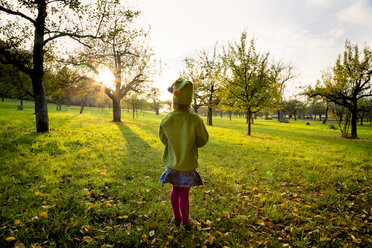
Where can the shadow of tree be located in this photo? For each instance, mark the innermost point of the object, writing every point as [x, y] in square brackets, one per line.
[136, 158]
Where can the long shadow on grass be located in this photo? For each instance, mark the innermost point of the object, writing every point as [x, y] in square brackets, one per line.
[140, 154]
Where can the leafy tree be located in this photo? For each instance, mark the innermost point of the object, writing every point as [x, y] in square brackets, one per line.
[282, 74]
[194, 74]
[124, 51]
[348, 82]
[250, 82]
[294, 106]
[212, 67]
[15, 83]
[50, 21]
[364, 108]
[155, 103]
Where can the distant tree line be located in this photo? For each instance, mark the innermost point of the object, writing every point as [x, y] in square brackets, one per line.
[236, 78]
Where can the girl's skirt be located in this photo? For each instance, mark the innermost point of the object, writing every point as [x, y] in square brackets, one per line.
[181, 178]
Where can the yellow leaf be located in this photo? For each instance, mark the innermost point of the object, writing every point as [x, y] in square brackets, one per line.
[100, 237]
[144, 237]
[325, 238]
[170, 237]
[87, 239]
[19, 245]
[259, 242]
[44, 214]
[219, 233]
[210, 240]
[9, 239]
[261, 222]
[18, 223]
[108, 227]
[218, 219]
[123, 217]
[108, 204]
[85, 226]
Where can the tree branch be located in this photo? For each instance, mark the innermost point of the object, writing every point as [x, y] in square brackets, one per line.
[74, 36]
[16, 13]
[9, 59]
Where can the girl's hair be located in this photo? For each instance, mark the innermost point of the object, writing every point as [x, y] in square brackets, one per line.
[178, 106]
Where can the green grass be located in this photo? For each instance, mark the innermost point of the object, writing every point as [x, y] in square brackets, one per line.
[288, 184]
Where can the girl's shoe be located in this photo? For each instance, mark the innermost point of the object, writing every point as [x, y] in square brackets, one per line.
[189, 226]
[175, 222]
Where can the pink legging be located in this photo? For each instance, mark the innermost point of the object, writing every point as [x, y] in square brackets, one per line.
[181, 203]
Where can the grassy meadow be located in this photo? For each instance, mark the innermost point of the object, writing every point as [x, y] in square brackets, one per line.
[90, 182]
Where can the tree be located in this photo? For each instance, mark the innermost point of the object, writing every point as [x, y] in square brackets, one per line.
[364, 108]
[124, 51]
[51, 20]
[250, 82]
[155, 104]
[348, 82]
[193, 73]
[211, 66]
[293, 106]
[204, 72]
[15, 83]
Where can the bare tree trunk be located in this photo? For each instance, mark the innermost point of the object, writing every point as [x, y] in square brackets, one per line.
[326, 115]
[41, 103]
[209, 117]
[2, 98]
[195, 106]
[230, 115]
[116, 110]
[21, 101]
[249, 121]
[83, 102]
[354, 116]
[133, 109]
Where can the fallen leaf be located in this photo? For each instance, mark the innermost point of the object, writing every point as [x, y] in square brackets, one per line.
[151, 233]
[261, 222]
[19, 245]
[210, 240]
[325, 238]
[87, 239]
[18, 223]
[44, 214]
[10, 239]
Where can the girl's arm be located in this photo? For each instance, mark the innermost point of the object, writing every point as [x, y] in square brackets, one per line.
[202, 135]
[163, 138]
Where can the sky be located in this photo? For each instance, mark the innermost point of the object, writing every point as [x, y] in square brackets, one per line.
[308, 34]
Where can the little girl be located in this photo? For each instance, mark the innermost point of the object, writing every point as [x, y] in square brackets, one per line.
[182, 133]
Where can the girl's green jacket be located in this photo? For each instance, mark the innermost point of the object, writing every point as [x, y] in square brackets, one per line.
[182, 133]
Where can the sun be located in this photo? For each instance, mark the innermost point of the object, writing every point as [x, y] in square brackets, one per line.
[106, 77]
